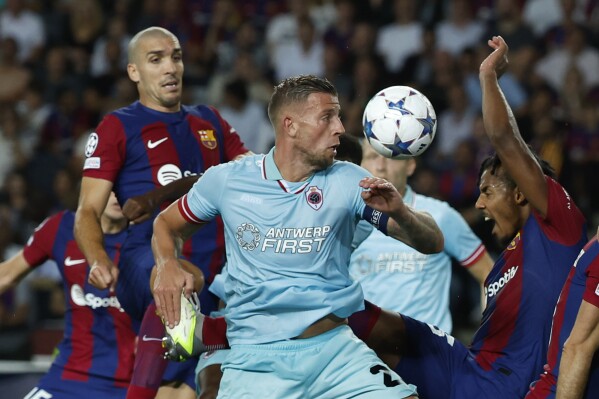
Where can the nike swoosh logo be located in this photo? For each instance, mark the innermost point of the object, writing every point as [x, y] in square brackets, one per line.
[72, 262]
[146, 338]
[154, 144]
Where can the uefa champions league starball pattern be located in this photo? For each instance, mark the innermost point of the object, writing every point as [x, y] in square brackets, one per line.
[399, 122]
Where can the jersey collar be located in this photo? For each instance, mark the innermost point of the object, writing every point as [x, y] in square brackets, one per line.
[269, 168]
[271, 172]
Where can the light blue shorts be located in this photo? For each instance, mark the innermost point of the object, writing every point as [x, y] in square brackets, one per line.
[332, 365]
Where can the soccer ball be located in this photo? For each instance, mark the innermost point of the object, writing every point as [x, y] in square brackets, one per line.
[399, 122]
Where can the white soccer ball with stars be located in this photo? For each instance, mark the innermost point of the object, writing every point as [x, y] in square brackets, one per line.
[399, 122]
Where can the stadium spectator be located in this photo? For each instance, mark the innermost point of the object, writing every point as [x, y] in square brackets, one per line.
[26, 28]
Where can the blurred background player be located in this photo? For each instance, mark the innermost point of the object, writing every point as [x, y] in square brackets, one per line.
[396, 277]
[136, 150]
[95, 357]
[572, 369]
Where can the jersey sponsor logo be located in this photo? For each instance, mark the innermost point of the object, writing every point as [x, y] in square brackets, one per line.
[314, 197]
[207, 138]
[72, 262]
[248, 236]
[169, 173]
[493, 289]
[295, 240]
[92, 163]
[80, 298]
[389, 262]
[597, 290]
[92, 144]
[154, 144]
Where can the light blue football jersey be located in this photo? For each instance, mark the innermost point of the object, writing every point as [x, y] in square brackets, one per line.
[288, 244]
[395, 276]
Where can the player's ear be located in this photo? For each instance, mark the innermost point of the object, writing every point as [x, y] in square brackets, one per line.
[289, 126]
[133, 73]
[519, 197]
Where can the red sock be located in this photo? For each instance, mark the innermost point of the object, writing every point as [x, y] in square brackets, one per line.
[363, 321]
[214, 333]
[149, 360]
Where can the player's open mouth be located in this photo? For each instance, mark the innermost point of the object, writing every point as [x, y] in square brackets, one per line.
[170, 85]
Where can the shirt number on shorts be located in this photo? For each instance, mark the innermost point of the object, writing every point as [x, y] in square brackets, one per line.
[38, 393]
[441, 333]
[388, 379]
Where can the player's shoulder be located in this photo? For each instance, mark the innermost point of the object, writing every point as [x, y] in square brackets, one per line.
[246, 164]
[54, 221]
[429, 204]
[201, 110]
[64, 216]
[345, 168]
[442, 212]
[119, 117]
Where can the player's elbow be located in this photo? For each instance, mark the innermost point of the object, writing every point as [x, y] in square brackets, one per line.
[434, 244]
[440, 244]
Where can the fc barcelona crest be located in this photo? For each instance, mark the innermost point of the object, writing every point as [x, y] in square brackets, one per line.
[207, 138]
[314, 197]
[514, 242]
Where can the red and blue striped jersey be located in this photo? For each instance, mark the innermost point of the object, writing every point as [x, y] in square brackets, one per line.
[140, 149]
[98, 337]
[582, 284]
[523, 287]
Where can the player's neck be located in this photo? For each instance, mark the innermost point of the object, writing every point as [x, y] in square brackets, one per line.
[292, 168]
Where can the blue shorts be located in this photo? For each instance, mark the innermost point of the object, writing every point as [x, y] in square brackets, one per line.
[51, 385]
[443, 368]
[133, 288]
[333, 365]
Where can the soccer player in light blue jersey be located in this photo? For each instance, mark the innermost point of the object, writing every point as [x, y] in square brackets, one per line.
[289, 219]
[395, 276]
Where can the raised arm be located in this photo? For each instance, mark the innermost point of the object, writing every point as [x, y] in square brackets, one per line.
[417, 229]
[140, 208]
[170, 231]
[502, 130]
[88, 231]
[12, 271]
[578, 353]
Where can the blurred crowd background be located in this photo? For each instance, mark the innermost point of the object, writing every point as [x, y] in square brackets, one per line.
[63, 66]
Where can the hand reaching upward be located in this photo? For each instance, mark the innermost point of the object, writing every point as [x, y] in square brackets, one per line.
[497, 61]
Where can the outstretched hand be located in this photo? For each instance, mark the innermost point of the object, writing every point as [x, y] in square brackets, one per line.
[497, 61]
[382, 195]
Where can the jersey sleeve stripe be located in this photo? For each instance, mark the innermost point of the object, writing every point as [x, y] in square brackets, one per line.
[186, 211]
[475, 257]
